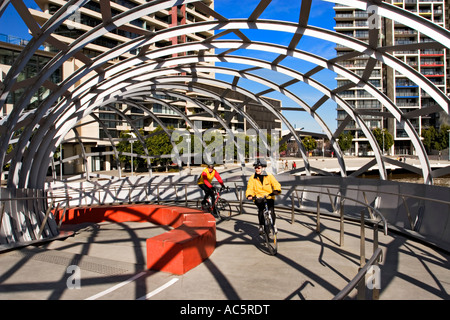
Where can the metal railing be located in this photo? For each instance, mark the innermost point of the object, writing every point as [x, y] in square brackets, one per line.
[148, 189]
[182, 193]
[30, 214]
[358, 280]
[375, 259]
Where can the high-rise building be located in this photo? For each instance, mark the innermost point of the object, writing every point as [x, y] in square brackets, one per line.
[432, 63]
[90, 16]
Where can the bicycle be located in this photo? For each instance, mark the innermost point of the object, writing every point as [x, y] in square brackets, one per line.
[221, 208]
[269, 233]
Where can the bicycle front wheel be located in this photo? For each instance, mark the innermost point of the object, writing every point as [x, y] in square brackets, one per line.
[223, 209]
[270, 237]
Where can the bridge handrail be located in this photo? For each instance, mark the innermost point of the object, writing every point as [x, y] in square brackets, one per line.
[47, 213]
[328, 186]
[150, 185]
[379, 214]
[359, 276]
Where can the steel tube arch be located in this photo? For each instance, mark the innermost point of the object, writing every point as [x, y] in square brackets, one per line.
[38, 141]
[124, 76]
[330, 34]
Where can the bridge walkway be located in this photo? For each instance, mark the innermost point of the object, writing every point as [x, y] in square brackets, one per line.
[308, 266]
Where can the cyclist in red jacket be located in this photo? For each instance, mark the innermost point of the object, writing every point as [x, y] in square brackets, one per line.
[204, 182]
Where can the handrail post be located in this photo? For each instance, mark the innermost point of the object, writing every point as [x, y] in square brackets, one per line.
[333, 207]
[157, 194]
[375, 291]
[375, 236]
[176, 193]
[362, 242]
[292, 209]
[63, 214]
[1, 213]
[318, 215]
[362, 258]
[341, 224]
[44, 221]
[408, 213]
[241, 200]
[367, 205]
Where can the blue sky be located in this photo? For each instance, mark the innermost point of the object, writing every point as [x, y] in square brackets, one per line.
[322, 14]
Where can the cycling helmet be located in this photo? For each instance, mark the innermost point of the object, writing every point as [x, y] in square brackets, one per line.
[259, 163]
[210, 166]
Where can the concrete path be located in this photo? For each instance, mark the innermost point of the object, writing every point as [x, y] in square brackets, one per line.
[111, 260]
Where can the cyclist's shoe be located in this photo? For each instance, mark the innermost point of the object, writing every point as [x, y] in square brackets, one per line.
[261, 230]
[204, 202]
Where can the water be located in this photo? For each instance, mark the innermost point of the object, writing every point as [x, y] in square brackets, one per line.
[409, 177]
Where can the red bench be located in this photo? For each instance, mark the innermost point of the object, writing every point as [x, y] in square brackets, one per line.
[192, 240]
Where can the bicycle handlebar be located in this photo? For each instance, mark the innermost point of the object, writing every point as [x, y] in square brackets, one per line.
[265, 197]
[224, 188]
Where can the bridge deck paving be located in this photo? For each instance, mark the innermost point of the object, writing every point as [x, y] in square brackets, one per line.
[309, 265]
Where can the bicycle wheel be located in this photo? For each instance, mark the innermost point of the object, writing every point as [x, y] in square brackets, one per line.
[270, 236]
[223, 209]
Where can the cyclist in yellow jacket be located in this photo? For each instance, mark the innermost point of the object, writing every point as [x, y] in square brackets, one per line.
[204, 182]
[261, 185]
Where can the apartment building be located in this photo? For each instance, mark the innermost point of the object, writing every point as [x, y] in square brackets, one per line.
[403, 92]
[94, 138]
[10, 48]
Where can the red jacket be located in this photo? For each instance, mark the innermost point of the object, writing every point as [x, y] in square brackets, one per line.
[206, 177]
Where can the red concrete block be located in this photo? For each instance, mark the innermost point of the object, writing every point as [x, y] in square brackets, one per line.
[181, 249]
[192, 240]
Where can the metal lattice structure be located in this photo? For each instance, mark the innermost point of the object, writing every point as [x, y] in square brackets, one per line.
[36, 134]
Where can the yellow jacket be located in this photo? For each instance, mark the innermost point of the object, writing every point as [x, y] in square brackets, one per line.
[258, 189]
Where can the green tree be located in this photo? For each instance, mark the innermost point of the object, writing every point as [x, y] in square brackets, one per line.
[124, 146]
[429, 136]
[158, 143]
[345, 141]
[435, 139]
[441, 141]
[386, 139]
[309, 143]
